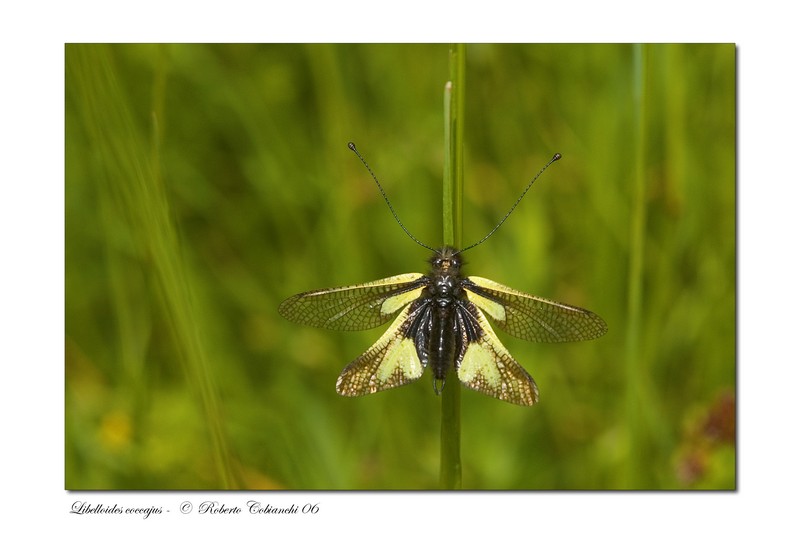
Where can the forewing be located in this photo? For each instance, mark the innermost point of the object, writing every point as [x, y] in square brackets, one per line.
[485, 365]
[530, 317]
[390, 362]
[354, 307]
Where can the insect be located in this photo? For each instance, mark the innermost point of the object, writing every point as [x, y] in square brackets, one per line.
[442, 320]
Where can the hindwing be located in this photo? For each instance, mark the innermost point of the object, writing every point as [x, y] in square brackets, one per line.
[397, 358]
[485, 365]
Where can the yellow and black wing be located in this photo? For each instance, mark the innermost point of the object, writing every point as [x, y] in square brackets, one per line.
[485, 365]
[530, 317]
[397, 358]
[354, 307]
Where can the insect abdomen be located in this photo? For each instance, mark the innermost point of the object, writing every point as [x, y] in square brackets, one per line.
[442, 341]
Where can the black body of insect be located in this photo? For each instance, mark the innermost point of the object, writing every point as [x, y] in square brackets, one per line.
[440, 320]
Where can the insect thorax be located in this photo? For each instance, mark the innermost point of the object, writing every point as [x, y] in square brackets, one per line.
[445, 276]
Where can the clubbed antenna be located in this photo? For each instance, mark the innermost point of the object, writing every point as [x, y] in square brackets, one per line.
[352, 146]
[555, 158]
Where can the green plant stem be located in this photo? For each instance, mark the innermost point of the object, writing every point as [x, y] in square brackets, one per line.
[450, 473]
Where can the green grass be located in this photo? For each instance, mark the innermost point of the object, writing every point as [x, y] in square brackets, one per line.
[452, 217]
[204, 184]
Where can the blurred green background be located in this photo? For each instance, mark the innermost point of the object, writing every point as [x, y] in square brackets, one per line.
[206, 183]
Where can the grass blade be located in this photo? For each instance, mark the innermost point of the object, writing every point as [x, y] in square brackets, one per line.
[450, 474]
